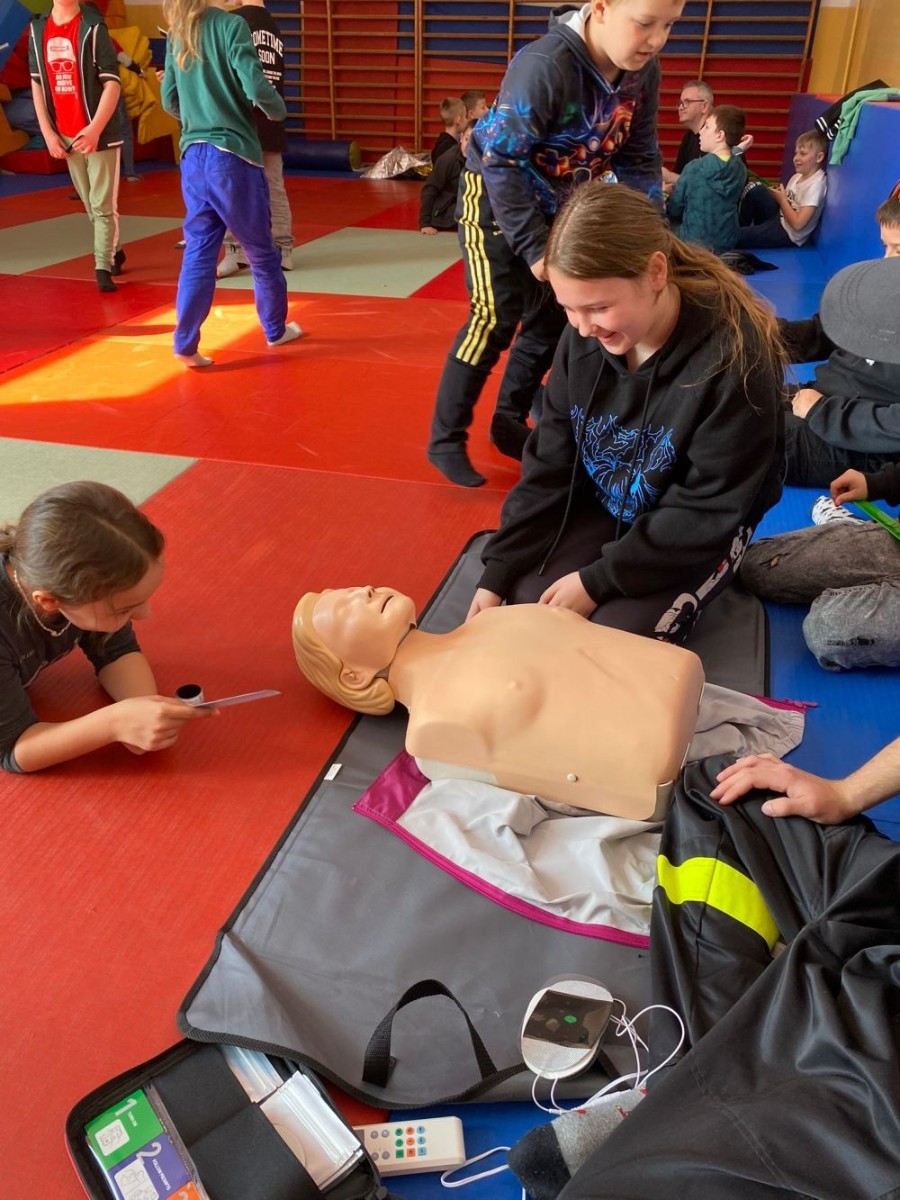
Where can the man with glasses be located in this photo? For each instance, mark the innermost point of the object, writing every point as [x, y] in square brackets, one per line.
[694, 106]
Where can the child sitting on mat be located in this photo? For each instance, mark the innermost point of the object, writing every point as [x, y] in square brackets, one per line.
[703, 205]
[476, 104]
[659, 446]
[212, 81]
[79, 567]
[847, 569]
[787, 215]
[454, 118]
[848, 416]
[439, 191]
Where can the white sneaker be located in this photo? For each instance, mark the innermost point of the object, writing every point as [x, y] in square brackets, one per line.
[230, 265]
[824, 511]
[287, 260]
[291, 332]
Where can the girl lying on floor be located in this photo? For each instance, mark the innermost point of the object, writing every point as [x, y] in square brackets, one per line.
[78, 568]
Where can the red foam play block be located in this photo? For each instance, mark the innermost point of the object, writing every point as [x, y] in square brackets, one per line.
[32, 162]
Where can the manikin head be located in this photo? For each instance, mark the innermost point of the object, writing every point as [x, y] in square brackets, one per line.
[346, 638]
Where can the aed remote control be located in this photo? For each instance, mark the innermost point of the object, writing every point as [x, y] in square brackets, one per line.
[424, 1144]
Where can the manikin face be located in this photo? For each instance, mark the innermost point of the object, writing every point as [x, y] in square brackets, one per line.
[890, 239]
[692, 108]
[623, 35]
[363, 626]
[109, 613]
[709, 136]
[619, 313]
[807, 158]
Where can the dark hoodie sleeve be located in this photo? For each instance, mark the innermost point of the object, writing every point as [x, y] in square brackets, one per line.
[437, 183]
[639, 162]
[732, 477]
[107, 62]
[885, 484]
[533, 510]
[857, 423]
[805, 341]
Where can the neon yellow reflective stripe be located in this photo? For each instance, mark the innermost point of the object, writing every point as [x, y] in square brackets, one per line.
[715, 883]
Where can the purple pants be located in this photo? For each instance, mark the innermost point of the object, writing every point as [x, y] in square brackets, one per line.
[223, 191]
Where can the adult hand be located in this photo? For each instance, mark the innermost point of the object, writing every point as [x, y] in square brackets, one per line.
[481, 600]
[569, 592]
[86, 141]
[153, 722]
[849, 486]
[429, 229]
[825, 801]
[538, 270]
[746, 142]
[804, 400]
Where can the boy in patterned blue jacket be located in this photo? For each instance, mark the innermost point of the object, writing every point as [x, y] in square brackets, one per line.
[575, 104]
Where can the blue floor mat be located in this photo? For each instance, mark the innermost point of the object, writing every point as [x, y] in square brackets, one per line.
[794, 289]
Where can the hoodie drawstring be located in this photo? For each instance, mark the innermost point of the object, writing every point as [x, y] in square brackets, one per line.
[578, 448]
[632, 466]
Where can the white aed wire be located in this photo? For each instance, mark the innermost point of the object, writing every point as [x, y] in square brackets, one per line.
[625, 1026]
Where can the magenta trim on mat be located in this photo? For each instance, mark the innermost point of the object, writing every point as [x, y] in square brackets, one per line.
[800, 706]
[396, 788]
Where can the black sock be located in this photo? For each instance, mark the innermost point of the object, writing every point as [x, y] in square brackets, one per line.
[456, 467]
[104, 282]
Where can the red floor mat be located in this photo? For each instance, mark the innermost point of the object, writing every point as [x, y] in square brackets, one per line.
[355, 396]
[42, 315]
[449, 285]
[118, 871]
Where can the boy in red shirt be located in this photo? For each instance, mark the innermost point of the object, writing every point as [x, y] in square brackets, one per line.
[75, 84]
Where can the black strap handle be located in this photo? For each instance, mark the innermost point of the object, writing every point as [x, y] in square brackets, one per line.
[379, 1062]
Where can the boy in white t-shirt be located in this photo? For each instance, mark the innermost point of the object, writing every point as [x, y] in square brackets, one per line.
[786, 215]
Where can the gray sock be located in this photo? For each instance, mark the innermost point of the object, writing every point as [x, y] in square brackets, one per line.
[546, 1158]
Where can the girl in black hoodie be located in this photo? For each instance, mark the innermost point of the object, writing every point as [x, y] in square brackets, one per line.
[660, 443]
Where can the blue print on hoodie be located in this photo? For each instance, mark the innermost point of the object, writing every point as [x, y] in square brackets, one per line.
[616, 458]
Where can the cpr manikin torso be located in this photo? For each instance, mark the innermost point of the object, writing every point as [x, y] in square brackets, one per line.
[532, 698]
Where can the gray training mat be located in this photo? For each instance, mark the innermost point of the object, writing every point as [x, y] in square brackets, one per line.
[344, 919]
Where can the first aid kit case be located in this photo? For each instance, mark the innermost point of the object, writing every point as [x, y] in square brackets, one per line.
[214, 1122]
